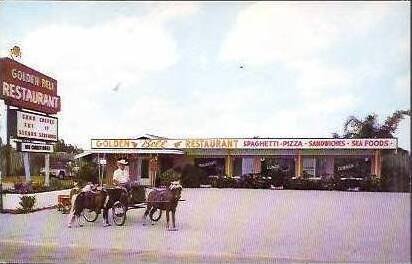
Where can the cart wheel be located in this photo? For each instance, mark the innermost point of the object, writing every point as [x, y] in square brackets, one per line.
[156, 215]
[81, 219]
[90, 215]
[119, 213]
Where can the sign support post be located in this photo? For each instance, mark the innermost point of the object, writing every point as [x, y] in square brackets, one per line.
[8, 147]
[99, 164]
[1, 194]
[26, 166]
[47, 169]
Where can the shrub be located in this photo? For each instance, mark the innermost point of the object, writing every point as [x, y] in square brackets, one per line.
[253, 181]
[193, 176]
[27, 203]
[227, 182]
[372, 184]
[21, 187]
[88, 172]
[36, 186]
[304, 184]
[168, 176]
[277, 177]
[61, 184]
[37, 183]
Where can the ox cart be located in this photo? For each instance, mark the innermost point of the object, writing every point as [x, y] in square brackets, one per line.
[134, 199]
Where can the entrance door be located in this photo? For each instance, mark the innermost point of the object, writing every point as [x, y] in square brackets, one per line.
[144, 179]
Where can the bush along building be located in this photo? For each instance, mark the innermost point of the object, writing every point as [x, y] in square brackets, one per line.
[284, 161]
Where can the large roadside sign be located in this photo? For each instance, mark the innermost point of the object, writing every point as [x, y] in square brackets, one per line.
[24, 87]
[27, 125]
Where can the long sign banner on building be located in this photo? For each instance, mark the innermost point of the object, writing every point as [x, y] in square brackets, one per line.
[26, 125]
[23, 87]
[241, 143]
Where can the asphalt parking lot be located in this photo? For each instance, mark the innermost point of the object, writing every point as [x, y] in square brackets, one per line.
[230, 226]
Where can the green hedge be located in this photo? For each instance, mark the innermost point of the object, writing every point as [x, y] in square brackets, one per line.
[168, 176]
[193, 177]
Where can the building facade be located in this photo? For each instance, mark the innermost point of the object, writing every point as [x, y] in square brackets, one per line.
[306, 157]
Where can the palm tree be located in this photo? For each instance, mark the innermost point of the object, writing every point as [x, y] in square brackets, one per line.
[16, 162]
[395, 167]
[370, 128]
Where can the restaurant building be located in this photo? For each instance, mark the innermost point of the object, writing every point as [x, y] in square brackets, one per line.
[293, 157]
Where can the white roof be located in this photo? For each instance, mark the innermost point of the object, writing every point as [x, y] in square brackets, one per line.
[150, 136]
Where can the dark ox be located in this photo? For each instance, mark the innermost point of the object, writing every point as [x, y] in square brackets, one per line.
[164, 199]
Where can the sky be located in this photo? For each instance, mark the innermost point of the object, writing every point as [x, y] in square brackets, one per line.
[215, 69]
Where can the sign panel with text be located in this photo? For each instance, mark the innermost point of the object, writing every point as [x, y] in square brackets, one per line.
[23, 87]
[244, 143]
[26, 125]
[34, 147]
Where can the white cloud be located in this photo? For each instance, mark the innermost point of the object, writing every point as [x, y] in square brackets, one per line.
[89, 62]
[311, 99]
[164, 11]
[403, 85]
[316, 79]
[298, 36]
[284, 32]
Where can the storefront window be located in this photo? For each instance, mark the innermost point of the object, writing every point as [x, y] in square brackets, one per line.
[309, 167]
[278, 167]
[145, 169]
[321, 167]
[237, 167]
[212, 166]
[166, 163]
[352, 167]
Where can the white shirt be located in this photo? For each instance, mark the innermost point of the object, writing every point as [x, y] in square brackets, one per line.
[122, 176]
[87, 188]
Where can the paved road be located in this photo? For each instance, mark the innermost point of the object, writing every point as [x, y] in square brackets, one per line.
[227, 226]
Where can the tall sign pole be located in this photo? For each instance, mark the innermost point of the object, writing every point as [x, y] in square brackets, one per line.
[47, 169]
[8, 147]
[14, 52]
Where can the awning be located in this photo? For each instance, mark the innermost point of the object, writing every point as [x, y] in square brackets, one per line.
[129, 151]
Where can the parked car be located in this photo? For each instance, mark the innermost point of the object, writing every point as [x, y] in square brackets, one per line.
[55, 172]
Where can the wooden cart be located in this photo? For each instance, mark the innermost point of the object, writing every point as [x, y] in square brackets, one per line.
[63, 203]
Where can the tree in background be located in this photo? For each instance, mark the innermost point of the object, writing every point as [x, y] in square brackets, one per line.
[63, 152]
[88, 172]
[61, 146]
[395, 165]
[370, 128]
[16, 161]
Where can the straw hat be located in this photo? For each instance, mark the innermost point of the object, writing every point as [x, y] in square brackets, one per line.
[122, 161]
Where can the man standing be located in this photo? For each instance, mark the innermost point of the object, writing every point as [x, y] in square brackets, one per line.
[121, 175]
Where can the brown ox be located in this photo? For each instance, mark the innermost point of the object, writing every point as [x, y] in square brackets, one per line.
[164, 199]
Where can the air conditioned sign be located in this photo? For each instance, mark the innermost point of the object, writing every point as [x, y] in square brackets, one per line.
[23, 87]
[25, 125]
[34, 147]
